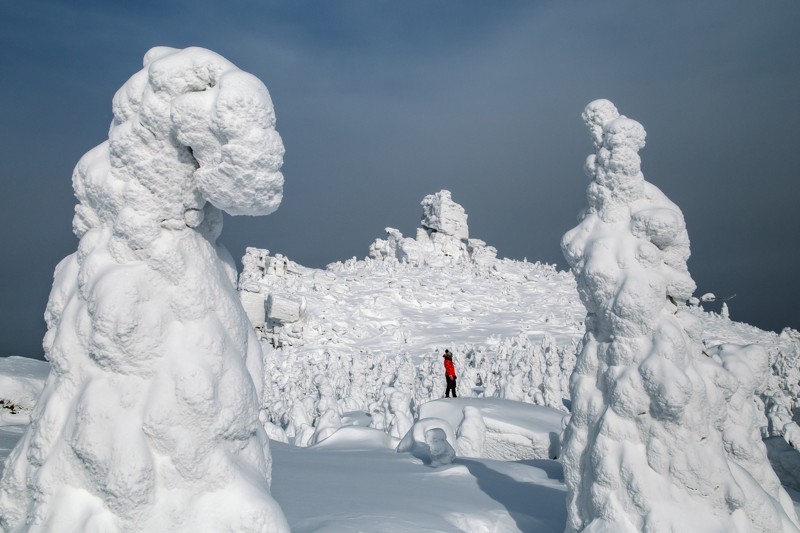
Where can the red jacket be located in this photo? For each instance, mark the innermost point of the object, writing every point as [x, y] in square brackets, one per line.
[449, 369]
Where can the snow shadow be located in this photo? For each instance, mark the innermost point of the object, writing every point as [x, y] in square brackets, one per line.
[532, 504]
[553, 469]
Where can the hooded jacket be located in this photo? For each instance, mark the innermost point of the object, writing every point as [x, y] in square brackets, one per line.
[449, 368]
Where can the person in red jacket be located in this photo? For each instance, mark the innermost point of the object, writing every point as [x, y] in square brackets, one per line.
[449, 374]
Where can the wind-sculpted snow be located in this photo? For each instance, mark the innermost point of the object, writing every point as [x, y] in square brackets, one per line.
[149, 419]
[663, 435]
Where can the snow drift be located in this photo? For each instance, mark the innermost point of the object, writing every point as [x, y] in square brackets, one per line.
[662, 435]
[149, 418]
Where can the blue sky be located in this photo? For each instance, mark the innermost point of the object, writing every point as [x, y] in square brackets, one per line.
[381, 103]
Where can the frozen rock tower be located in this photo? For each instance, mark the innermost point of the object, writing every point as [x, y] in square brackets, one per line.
[149, 418]
[662, 435]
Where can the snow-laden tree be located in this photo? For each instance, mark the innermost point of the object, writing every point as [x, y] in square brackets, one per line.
[149, 418]
[661, 436]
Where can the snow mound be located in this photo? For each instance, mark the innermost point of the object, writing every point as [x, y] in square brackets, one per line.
[149, 420]
[510, 431]
[662, 434]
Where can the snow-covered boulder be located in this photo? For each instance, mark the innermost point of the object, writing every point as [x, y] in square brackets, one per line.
[149, 420]
[441, 214]
[430, 440]
[276, 316]
[283, 310]
[440, 451]
[662, 436]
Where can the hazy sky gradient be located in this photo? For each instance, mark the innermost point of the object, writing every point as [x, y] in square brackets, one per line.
[381, 103]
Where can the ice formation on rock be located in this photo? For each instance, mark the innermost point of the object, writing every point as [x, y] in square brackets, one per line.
[662, 436]
[149, 419]
[274, 314]
[442, 215]
[444, 236]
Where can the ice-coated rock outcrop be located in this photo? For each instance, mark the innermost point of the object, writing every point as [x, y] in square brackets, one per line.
[275, 314]
[662, 435]
[444, 235]
[149, 419]
[441, 214]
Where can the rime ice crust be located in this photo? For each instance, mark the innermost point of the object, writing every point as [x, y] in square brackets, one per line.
[149, 419]
[443, 237]
[662, 437]
[440, 213]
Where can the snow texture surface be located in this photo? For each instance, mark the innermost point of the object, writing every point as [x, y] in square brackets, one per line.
[149, 419]
[663, 435]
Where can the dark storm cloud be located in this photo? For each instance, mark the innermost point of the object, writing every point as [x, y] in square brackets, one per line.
[380, 103]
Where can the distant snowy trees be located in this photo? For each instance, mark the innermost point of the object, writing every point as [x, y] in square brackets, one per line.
[149, 419]
[662, 436]
[309, 392]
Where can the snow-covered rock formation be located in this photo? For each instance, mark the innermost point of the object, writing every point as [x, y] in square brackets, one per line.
[662, 435]
[443, 237]
[149, 419]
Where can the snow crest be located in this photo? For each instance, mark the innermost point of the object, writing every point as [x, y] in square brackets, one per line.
[149, 419]
[662, 435]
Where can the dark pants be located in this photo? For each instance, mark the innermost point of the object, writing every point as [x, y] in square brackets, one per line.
[451, 386]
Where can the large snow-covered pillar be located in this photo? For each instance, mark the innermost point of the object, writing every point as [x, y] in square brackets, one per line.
[149, 419]
[658, 438]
